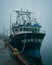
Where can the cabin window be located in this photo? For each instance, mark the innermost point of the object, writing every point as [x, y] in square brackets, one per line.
[33, 29]
[27, 29]
[20, 29]
[24, 29]
[38, 29]
[16, 29]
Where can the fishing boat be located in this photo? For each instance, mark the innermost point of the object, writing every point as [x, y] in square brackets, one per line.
[26, 34]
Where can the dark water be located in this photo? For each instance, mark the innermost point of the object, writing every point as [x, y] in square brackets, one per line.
[46, 53]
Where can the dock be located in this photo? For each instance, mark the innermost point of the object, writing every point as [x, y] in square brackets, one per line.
[5, 55]
[10, 58]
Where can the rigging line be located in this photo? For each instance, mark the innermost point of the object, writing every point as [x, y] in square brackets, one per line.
[21, 4]
[33, 8]
[24, 5]
[35, 12]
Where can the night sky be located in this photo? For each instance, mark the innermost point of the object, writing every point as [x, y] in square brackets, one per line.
[43, 13]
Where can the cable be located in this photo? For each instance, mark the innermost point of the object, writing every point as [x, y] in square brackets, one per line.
[23, 45]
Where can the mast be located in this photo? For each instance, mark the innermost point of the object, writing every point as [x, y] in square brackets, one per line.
[10, 24]
[3, 31]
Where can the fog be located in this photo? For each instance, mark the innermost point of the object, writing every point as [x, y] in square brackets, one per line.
[43, 13]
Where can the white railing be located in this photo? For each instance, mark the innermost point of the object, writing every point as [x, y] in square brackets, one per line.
[21, 32]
